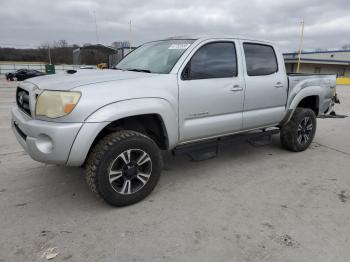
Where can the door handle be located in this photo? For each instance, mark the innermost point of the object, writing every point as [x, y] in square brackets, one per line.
[279, 85]
[236, 88]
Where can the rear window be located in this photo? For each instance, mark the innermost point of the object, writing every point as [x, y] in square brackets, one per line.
[260, 59]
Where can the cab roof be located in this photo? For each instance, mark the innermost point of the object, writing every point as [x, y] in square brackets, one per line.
[214, 36]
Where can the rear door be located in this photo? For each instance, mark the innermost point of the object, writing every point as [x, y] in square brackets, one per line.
[266, 85]
[211, 91]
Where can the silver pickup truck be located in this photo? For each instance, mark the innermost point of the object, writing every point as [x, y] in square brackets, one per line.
[166, 95]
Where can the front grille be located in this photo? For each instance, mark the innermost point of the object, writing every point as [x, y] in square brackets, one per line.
[22, 99]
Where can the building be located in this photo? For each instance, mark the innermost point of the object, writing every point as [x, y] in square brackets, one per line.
[97, 54]
[321, 62]
[114, 59]
[92, 54]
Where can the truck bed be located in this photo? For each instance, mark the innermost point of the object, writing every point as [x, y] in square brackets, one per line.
[325, 83]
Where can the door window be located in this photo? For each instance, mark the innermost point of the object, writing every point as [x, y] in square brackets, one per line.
[214, 60]
[260, 59]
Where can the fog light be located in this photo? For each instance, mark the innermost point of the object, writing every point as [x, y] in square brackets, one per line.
[44, 144]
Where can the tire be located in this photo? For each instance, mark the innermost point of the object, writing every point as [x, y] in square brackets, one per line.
[299, 132]
[107, 170]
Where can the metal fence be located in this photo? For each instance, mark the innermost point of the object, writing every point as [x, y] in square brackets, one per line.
[10, 67]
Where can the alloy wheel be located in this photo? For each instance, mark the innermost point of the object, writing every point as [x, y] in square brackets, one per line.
[304, 130]
[130, 171]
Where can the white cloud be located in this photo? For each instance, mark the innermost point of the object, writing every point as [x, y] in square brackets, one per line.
[36, 21]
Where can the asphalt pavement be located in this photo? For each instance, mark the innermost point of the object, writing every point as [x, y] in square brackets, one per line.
[248, 204]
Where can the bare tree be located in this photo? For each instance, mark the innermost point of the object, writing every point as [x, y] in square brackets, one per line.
[119, 44]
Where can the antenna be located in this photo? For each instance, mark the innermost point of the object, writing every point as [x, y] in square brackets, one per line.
[300, 45]
[97, 39]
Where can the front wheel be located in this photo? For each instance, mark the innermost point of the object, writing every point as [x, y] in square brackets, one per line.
[124, 167]
[299, 132]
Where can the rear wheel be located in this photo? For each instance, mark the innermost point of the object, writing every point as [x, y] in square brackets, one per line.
[298, 134]
[124, 167]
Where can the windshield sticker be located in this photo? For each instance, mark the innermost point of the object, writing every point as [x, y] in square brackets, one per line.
[179, 46]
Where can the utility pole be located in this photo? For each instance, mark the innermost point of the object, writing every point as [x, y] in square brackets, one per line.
[300, 45]
[130, 36]
[49, 54]
[96, 29]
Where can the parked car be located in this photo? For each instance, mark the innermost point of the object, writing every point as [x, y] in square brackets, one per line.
[178, 94]
[23, 74]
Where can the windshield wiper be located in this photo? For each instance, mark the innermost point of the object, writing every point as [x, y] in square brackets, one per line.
[139, 70]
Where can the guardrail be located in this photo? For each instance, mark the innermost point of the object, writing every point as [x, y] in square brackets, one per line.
[6, 67]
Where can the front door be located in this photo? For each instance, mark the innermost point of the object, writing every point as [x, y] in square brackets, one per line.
[211, 92]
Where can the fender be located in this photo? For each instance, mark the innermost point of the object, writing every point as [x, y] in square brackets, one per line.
[99, 119]
[296, 96]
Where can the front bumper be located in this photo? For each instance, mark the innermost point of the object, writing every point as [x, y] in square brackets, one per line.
[44, 141]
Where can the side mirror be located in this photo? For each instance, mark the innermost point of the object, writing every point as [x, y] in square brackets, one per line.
[186, 73]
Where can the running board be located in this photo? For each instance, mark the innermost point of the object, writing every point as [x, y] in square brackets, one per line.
[204, 150]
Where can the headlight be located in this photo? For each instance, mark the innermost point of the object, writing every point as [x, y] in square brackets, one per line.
[55, 104]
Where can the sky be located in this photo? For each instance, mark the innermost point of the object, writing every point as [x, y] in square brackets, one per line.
[30, 23]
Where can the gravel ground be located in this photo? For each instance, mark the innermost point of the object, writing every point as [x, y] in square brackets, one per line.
[248, 204]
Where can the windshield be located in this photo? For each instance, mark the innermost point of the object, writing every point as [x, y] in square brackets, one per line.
[155, 57]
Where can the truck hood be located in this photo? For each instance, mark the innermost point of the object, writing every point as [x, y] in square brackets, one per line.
[65, 81]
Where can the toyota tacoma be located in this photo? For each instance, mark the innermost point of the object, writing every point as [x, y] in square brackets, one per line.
[173, 94]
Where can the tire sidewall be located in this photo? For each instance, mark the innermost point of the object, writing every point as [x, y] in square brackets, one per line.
[104, 186]
[299, 116]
